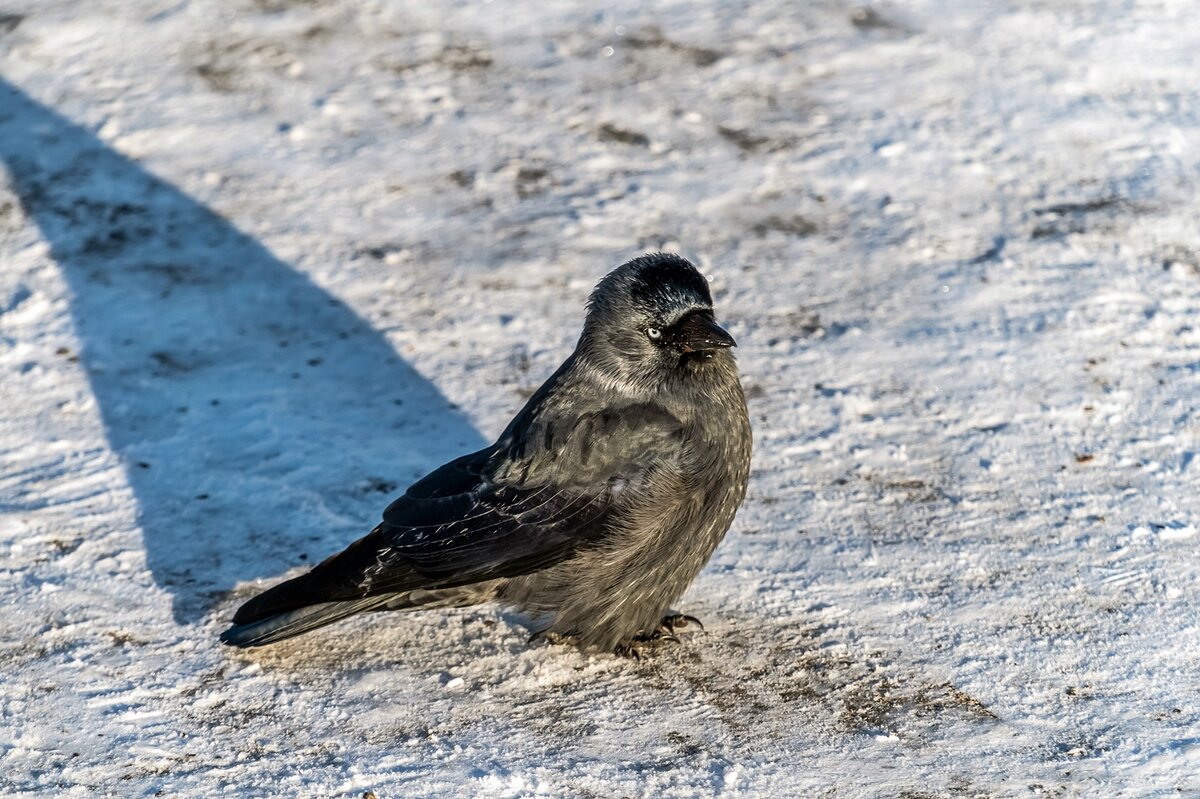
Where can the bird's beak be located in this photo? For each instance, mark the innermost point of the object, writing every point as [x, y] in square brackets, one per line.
[698, 332]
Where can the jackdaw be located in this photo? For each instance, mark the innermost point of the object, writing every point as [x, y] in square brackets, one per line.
[592, 512]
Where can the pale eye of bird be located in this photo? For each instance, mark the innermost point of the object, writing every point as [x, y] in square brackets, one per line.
[654, 333]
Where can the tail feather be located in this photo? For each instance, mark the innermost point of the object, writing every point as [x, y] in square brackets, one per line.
[332, 591]
[335, 581]
[301, 620]
[262, 630]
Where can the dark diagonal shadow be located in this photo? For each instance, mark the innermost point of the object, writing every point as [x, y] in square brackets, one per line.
[262, 422]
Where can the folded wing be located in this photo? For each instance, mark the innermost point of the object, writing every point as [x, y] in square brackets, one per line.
[500, 512]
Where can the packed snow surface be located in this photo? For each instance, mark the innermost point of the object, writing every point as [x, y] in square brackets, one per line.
[265, 262]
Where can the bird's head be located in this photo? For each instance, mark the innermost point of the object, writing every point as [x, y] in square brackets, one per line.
[651, 319]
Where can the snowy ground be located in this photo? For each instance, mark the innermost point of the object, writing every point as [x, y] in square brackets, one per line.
[263, 262]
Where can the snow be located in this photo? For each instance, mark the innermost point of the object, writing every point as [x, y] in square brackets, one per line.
[264, 262]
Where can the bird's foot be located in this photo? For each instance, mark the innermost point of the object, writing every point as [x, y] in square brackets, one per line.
[678, 621]
[630, 649]
[665, 633]
[549, 636]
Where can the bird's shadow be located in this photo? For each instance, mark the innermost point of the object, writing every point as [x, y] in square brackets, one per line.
[262, 423]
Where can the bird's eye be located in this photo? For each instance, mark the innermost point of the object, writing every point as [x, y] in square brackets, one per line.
[654, 333]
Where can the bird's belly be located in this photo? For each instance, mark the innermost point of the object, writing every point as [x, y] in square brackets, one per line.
[606, 595]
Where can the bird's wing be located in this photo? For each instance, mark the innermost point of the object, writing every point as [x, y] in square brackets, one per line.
[500, 512]
[458, 525]
[510, 510]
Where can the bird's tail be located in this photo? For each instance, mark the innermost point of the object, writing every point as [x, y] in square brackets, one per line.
[258, 629]
[301, 620]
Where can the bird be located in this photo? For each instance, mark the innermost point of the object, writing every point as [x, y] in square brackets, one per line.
[594, 509]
